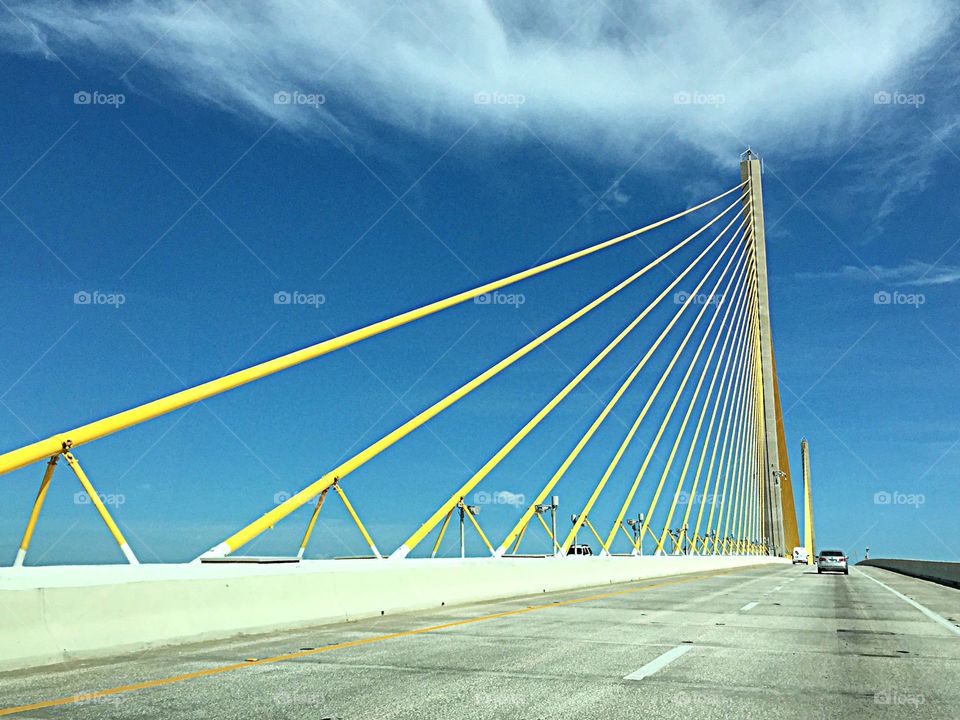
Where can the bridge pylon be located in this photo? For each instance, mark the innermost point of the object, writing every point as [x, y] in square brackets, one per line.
[779, 515]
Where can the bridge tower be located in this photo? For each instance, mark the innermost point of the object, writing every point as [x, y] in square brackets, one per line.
[779, 514]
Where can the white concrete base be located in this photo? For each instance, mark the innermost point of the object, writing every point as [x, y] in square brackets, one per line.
[55, 614]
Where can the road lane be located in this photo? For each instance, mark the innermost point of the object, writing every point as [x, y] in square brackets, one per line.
[812, 646]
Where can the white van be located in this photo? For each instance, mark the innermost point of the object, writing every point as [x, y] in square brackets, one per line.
[799, 556]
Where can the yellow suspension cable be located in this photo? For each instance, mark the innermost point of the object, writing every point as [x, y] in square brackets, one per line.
[728, 353]
[708, 363]
[521, 525]
[656, 440]
[727, 422]
[734, 358]
[737, 499]
[648, 516]
[410, 543]
[735, 445]
[270, 518]
[633, 429]
[42, 449]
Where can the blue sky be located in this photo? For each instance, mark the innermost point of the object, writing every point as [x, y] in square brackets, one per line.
[427, 149]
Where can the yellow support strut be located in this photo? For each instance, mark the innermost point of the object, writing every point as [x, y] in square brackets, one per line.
[101, 508]
[35, 511]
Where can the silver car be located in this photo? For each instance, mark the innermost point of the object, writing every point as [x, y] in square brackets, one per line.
[832, 561]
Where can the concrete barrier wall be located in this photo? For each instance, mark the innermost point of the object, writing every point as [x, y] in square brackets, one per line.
[55, 614]
[945, 573]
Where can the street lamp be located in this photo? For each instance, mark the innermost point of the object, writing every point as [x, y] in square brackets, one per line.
[637, 526]
[473, 510]
[552, 507]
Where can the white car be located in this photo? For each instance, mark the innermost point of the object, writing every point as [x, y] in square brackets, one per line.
[800, 556]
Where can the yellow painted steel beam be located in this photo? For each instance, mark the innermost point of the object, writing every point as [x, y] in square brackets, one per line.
[608, 408]
[35, 511]
[476, 526]
[443, 530]
[41, 449]
[101, 508]
[410, 543]
[669, 413]
[553, 541]
[586, 521]
[708, 363]
[313, 521]
[356, 520]
[270, 518]
[523, 532]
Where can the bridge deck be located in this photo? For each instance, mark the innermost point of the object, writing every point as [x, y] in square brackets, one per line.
[764, 642]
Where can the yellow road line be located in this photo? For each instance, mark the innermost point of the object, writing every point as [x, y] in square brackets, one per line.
[159, 682]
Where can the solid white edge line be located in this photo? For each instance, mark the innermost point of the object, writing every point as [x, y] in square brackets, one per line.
[925, 610]
[658, 663]
[749, 606]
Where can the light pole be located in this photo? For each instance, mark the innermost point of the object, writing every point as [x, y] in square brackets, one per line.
[573, 519]
[464, 509]
[637, 526]
[555, 503]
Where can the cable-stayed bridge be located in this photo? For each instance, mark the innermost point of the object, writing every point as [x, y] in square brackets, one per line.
[685, 516]
[717, 420]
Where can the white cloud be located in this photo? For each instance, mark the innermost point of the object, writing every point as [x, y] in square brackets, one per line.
[914, 272]
[799, 77]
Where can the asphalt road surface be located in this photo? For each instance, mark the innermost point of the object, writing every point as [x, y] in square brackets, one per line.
[768, 642]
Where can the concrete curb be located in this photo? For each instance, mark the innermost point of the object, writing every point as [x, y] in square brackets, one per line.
[943, 573]
[55, 614]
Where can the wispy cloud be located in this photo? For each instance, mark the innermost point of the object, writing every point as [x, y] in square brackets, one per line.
[609, 77]
[914, 272]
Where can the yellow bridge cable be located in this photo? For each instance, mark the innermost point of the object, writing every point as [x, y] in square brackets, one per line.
[270, 518]
[683, 425]
[726, 334]
[43, 449]
[659, 435]
[725, 422]
[410, 543]
[728, 353]
[735, 451]
[582, 516]
[520, 528]
[737, 352]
